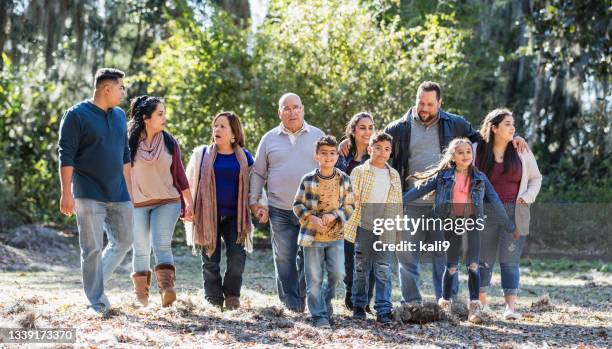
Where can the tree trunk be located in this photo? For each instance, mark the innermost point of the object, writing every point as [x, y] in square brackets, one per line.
[239, 10]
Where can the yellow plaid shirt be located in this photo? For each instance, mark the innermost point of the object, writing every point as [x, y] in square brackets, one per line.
[362, 179]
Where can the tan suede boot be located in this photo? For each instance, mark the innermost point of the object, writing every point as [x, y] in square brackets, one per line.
[445, 305]
[142, 284]
[166, 274]
[475, 312]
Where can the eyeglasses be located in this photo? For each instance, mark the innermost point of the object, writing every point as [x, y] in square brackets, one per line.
[294, 109]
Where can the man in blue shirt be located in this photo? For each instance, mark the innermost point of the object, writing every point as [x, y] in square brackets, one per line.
[94, 170]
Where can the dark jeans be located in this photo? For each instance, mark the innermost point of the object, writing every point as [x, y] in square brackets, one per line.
[367, 262]
[215, 290]
[452, 260]
[288, 257]
[349, 268]
[409, 262]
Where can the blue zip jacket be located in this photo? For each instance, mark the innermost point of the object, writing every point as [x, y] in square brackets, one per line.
[481, 191]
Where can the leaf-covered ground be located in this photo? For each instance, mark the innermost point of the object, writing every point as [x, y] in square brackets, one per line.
[48, 293]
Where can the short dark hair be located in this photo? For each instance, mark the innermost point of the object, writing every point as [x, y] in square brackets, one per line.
[329, 141]
[105, 74]
[235, 125]
[429, 86]
[380, 136]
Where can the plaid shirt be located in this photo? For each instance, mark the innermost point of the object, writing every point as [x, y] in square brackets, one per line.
[307, 199]
[363, 177]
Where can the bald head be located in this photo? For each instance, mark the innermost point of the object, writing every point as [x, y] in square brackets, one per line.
[291, 111]
[289, 97]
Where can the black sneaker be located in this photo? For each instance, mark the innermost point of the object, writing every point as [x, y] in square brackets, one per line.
[348, 301]
[384, 318]
[359, 313]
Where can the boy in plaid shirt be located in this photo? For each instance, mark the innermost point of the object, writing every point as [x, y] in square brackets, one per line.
[379, 189]
[323, 204]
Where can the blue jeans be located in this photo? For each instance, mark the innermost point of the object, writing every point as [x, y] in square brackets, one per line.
[154, 225]
[93, 219]
[409, 262]
[349, 270]
[452, 257]
[367, 259]
[495, 242]
[288, 257]
[318, 257]
[216, 289]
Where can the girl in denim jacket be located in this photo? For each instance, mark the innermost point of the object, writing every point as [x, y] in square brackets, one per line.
[460, 193]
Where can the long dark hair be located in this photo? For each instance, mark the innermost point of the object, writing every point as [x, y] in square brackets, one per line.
[142, 108]
[351, 126]
[486, 159]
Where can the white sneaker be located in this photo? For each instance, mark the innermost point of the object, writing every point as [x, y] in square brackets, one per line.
[486, 310]
[511, 314]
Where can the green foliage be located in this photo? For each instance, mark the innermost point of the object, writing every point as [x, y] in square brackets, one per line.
[340, 62]
[549, 62]
[343, 61]
[200, 71]
[31, 107]
[565, 265]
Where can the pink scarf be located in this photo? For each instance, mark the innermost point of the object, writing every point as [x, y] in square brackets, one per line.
[150, 152]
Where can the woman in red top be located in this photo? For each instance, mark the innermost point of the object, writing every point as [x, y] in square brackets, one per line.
[516, 179]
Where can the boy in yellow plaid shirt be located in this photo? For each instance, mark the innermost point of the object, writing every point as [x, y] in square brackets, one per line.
[323, 204]
[379, 190]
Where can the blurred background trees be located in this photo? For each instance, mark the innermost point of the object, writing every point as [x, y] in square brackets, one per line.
[547, 60]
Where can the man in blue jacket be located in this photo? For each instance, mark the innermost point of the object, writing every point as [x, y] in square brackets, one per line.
[95, 178]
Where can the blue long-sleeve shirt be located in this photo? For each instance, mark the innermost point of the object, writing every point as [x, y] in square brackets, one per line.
[227, 175]
[94, 142]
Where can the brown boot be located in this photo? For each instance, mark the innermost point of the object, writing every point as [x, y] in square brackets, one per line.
[475, 312]
[142, 284]
[165, 274]
[232, 302]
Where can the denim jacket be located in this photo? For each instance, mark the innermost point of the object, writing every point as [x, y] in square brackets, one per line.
[344, 161]
[481, 191]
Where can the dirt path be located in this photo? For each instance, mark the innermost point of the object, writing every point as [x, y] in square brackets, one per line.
[580, 311]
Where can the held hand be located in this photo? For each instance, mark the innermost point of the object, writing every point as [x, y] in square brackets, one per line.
[188, 214]
[262, 215]
[344, 147]
[328, 219]
[520, 201]
[255, 208]
[520, 144]
[516, 235]
[67, 204]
